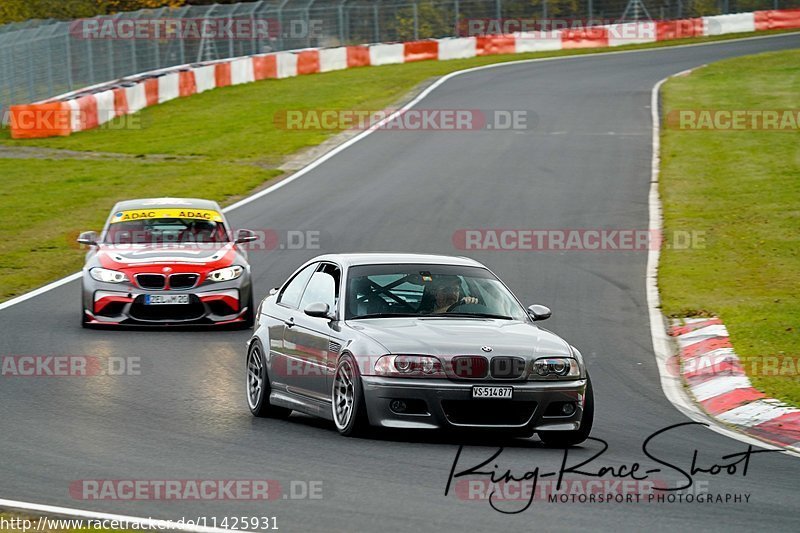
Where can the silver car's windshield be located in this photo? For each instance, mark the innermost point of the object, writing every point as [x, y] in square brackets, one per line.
[428, 290]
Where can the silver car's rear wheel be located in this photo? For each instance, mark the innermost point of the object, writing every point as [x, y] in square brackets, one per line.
[258, 386]
[349, 413]
[255, 378]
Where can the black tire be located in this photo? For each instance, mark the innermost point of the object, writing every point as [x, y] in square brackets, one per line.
[249, 316]
[259, 404]
[565, 439]
[356, 424]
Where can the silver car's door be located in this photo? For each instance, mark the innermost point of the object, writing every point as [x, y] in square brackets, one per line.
[282, 319]
[307, 342]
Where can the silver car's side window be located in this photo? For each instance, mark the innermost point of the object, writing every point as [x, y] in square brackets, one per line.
[290, 295]
[321, 289]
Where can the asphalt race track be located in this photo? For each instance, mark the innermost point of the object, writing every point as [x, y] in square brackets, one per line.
[585, 163]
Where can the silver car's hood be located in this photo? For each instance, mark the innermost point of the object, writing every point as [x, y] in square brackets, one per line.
[459, 336]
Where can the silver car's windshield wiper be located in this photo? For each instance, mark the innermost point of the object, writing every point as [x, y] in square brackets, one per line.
[384, 315]
[473, 315]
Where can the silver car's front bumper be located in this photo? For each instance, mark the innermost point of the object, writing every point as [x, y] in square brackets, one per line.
[449, 405]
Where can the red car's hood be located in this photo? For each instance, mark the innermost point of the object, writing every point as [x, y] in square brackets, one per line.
[208, 255]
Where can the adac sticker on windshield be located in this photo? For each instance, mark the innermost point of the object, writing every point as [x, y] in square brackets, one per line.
[144, 214]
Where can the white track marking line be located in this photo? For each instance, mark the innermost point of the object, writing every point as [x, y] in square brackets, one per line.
[152, 524]
[671, 384]
[40, 290]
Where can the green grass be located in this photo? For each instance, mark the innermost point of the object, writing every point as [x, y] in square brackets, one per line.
[230, 132]
[742, 189]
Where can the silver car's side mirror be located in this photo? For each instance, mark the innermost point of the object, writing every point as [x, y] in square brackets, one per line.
[539, 312]
[245, 235]
[319, 310]
[88, 238]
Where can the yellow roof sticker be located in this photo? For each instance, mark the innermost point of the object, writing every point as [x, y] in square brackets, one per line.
[177, 212]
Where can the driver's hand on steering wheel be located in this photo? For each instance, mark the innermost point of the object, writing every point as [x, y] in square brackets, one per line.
[468, 300]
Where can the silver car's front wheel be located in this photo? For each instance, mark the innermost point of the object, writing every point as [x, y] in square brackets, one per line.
[349, 413]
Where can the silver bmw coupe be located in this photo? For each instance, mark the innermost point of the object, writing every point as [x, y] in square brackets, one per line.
[414, 341]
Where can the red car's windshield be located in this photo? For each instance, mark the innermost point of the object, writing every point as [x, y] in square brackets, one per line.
[166, 231]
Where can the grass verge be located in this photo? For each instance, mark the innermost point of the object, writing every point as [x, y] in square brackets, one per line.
[740, 190]
[220, 144]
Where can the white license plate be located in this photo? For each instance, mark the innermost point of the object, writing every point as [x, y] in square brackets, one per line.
[492, 392]
[166, 299]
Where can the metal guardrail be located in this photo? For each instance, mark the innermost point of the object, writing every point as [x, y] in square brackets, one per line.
[43, 58]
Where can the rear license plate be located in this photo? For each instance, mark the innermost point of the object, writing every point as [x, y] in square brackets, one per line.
[492, 392]
[166, 299]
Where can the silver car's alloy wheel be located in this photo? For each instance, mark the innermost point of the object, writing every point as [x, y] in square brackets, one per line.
[255, 377]
[343, 394]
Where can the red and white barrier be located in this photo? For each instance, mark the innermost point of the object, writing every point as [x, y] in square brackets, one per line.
[287, 64]
[168, 87]
[331, 59]
[457, 48]
[242, 71]
[205, 78]
[106, 107]
[386, 54]
[631, 33]
[94, 106]
[537, 41]
[777, 19]
[722, 24]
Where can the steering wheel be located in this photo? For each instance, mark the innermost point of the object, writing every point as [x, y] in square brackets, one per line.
[459, 303]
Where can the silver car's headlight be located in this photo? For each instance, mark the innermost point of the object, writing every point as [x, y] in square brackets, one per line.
[226, 274]
[107, 276]
[555, 368]
[409, 366]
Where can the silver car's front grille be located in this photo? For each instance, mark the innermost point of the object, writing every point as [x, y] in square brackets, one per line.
[469, 366]
[502, 367]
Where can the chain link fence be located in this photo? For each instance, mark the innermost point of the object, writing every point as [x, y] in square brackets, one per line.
[43, 58]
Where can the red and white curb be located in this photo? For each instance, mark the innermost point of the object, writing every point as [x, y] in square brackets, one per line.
[717, 381]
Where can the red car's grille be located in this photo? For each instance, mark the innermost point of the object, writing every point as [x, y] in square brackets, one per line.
[151, 281]
[182, 281]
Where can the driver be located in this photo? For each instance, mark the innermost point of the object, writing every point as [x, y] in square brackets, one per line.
[447, 294]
